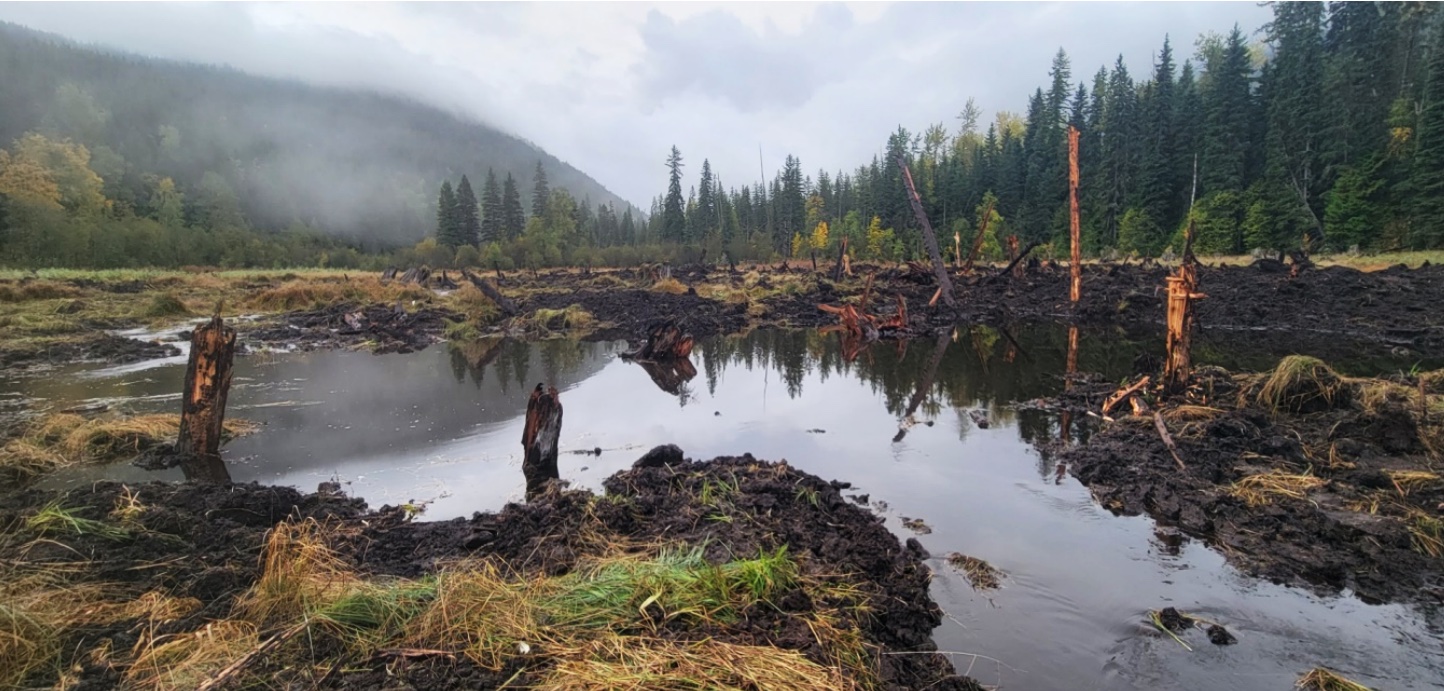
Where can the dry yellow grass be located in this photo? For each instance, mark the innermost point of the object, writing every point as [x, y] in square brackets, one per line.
[981, 575]
[1262, 489]
[1301, 383]
[1321, 679]
[63, 439]
[1407, 481]
[1184, 413]
[182, 662]
[670, 285]
[615, 663]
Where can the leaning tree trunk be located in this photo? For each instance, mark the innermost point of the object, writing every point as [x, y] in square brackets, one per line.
[929, 238]
[207, 382]
[539, 439]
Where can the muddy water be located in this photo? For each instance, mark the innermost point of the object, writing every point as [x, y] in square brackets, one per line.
[443, 427]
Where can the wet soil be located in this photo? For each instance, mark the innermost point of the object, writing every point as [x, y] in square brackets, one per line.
[97, 347]
[384, 329]
[205, 541]
[1362, 528]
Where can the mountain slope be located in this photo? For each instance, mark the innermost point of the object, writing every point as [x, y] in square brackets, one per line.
[362, 165]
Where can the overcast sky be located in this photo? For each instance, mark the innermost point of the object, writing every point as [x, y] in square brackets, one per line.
[610, 87]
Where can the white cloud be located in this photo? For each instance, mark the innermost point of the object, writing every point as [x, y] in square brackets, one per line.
[610, 87]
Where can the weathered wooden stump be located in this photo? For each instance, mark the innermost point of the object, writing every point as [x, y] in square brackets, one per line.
[203, 400]
[665, 342]
[539, 439]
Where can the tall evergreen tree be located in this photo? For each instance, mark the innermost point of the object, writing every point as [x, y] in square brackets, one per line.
[1157, 165]
[491, 213]
[468, 224]
[1227, 96]
[513, 217]
[706, 204]
[541, 192]
[1426, 177]
[448, 227]
[1296, 122]
[674, 219]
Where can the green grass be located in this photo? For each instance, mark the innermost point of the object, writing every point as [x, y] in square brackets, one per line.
[52, 519]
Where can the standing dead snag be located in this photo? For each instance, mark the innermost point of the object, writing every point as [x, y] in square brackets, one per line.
[1013, 256]
[539, 439]
[978, 239]
[1182, 291]
[929, 239]
[1075, 259]
[207, 383]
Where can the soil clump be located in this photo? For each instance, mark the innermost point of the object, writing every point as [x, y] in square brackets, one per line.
[206, 545]
[1299, 476]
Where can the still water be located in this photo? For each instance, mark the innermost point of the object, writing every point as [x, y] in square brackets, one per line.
[443, 427]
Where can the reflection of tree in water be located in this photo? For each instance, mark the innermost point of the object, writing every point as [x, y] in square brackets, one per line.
[984, 367]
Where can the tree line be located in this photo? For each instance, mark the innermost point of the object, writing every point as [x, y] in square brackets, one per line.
[1327, 133]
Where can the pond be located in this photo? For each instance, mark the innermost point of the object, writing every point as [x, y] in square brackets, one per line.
[442, 428]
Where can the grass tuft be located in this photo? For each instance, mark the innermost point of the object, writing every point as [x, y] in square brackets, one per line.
[1303, 384]
[54, 520]
[981, 575]
[1263, 488]
[1321, 679]
[570, 318]
[187, 660]
[64, 439]
[1427, 533]
[670, 285]
[1407, 481]
[166, 305]
[627, 662]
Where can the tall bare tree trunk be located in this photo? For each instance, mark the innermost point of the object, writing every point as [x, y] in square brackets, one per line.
[929, 238]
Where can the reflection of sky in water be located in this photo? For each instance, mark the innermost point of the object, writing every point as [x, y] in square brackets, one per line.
[433, 426]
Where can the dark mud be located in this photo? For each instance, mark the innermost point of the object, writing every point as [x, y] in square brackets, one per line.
[1361, 525]
[1396, 306]
[382, 328]
[205, 541]
[629, 312]
[98, 347]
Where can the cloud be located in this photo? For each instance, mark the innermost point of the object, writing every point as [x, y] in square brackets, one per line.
[610, 87]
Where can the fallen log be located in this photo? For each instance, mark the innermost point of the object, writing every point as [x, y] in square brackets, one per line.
[929, 238]
[1021, 255]
[507, 307]
[665, 342]
[978, 239]
[539, 439]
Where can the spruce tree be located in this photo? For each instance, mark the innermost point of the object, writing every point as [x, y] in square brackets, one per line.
[468, 225]
[1293, 172]
[447, 228]
[674, 220]
[706, 204]
[541, 192]
[1157, 168]
[1227, 105]
[513, 218]
[491, 214]
[1426, 175]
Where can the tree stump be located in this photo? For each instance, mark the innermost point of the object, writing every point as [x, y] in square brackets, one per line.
[665, 342]
[207, 382]
[539, 439]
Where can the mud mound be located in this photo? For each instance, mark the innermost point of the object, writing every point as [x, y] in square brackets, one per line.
[101, 347]
[1336, 497]
[205, 542]
[629, 311]
[386, 329]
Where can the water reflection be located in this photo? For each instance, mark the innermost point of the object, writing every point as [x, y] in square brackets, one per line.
[445, 424]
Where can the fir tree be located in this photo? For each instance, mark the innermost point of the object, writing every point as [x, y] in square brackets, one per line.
[513, 218]
[491, 213]
[674, 219]
[1426, 177]
[448, 228]
[541, 192]
[468, 225]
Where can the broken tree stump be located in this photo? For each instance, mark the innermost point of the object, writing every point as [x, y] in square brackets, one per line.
[1182, 291]
[1016, 261]
[1013, 256]
[539, 439]
[207, 383]
[665, 342]
[508, 307]
[841, 260]
[930, 239]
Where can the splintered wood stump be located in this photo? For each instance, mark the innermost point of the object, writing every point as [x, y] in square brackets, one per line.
[1181, 294]
[1013, 256]
[539, 439]
[207, 382]
[665, 342]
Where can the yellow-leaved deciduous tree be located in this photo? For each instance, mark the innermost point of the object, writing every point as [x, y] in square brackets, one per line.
[878, 240]
[68, 164]
[797, 244]
[28, 182]
[819, 236]
[812, 211]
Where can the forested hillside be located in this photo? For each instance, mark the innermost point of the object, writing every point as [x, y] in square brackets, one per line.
[1325, 127]
[108, 155]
